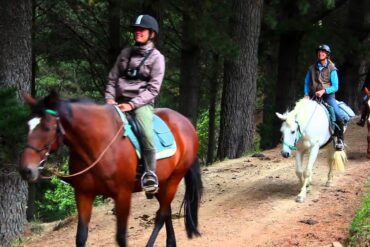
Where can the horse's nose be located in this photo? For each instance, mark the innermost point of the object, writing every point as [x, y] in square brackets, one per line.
[285, 154]
[29, 174]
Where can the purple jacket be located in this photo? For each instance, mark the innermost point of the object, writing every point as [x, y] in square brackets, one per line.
[139, 91]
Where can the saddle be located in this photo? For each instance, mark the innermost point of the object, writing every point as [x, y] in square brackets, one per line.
[164, 140]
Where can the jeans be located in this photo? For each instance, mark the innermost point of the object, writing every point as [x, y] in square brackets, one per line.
[339, 113]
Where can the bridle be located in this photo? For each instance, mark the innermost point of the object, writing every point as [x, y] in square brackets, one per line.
[60, 131]
[297, 137]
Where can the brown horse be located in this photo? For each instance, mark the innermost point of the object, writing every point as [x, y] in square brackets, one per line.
[102, 163]
[368, 121]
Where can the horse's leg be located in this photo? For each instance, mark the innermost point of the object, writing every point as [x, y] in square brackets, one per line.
[161, 217]
[122, 205]
[299, 167]
[171, 239]
[368, 142]
[165, 197]
[84, 207]
[330, 173]
[307, 175]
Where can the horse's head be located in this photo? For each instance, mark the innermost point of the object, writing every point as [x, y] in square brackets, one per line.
[44, 136]
[290, 134]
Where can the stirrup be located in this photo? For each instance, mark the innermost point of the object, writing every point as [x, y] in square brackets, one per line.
[152, 187]
[339, 145]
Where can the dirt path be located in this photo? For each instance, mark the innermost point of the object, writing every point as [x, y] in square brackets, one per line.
[247, 202]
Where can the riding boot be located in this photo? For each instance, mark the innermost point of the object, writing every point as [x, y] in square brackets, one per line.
[339, 145]
[149, 180]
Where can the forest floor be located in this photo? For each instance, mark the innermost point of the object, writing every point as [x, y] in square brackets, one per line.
[248, 201]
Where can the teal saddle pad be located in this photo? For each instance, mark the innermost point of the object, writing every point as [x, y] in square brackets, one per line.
[164, 141]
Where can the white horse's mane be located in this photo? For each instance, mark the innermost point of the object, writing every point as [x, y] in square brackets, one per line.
[302, 105]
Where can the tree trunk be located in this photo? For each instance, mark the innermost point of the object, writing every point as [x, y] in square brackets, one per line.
[349, 72]
[240, 78]
[290, 86]
[190, 73]
[213, 84]
[15, 44]
[15, 70]
[114, 27]
[267, 138]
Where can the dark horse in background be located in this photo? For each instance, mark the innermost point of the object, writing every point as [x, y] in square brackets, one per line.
[105, 163]
[368, 121]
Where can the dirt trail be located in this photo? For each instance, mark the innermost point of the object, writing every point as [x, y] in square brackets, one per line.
[247, 202]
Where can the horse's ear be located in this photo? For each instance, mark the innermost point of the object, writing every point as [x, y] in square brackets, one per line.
[281, 116]
[28, 99]
[51, 101]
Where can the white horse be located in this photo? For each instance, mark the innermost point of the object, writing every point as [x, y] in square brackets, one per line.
[306, 129]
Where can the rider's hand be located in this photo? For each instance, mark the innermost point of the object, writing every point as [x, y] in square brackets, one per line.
[110, 102]
[320, 93]
[306, 97]
[125, 107]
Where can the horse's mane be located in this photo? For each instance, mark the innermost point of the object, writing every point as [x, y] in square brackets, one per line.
[63, 107]
[302, 105]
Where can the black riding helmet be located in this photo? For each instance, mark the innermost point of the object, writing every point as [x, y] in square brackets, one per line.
[146, 21]
[323, 47]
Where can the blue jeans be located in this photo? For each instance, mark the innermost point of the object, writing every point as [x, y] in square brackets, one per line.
[339, 113]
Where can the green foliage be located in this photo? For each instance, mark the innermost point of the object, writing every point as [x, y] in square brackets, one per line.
[56, 199]
[12, 125]
[57, 203]
[360, 227]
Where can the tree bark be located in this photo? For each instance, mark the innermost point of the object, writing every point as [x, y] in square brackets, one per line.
[15, 44]
[213, 88]
[15, 70]
[287, 78]
[114, 30]
[349, 72]
[240, 77]
[190, 72]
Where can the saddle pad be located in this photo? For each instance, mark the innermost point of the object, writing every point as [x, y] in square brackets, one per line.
[164, 141]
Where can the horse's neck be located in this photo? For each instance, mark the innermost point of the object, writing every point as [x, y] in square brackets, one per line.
[88, 122]
[314, 123]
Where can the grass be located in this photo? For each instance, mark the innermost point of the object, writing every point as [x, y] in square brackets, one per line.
[360, 227]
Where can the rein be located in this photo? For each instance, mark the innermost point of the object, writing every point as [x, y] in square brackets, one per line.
[61, 176]
[299, 135]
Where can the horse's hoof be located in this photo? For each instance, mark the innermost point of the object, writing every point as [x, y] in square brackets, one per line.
[299, 199]
[328, 184]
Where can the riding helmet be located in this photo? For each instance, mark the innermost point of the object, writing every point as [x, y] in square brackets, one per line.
[146, 21]
[323, 47]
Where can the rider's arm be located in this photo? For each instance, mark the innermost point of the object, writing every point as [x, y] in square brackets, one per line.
[334, 83]
[307, 80]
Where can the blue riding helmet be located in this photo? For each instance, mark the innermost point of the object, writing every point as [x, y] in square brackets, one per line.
[323, 47]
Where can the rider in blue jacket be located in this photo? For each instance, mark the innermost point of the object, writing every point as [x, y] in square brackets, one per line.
[322, 81]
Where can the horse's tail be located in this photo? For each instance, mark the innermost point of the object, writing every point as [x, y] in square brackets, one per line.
[192, 197]
[338, 160]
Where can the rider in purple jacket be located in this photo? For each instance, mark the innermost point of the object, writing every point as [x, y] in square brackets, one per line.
[133, 83]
